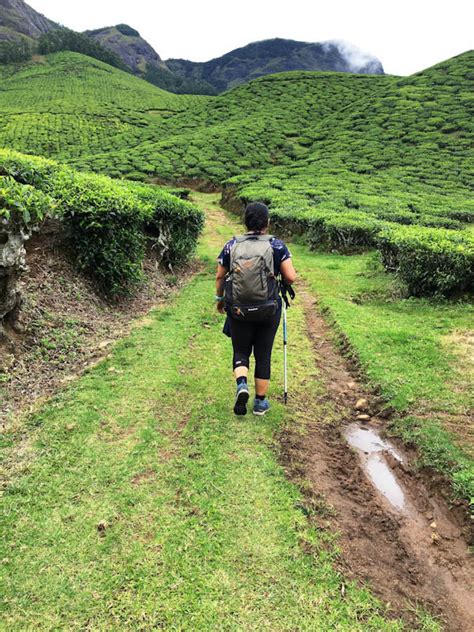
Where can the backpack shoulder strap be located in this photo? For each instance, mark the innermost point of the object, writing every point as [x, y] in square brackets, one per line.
[243, 238]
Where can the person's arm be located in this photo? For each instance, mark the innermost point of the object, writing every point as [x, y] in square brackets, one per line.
[288, 271]
[220, 277]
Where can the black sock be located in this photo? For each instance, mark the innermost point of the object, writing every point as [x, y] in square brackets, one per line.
[260, 397]
[241, 380]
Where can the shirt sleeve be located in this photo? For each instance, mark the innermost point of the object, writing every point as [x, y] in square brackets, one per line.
[280, 253]
[285, 253]
[224, 257]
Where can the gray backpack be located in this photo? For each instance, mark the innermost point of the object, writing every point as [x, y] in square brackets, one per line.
[251, 288]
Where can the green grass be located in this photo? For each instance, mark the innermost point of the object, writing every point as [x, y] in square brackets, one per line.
[137, 499]
[416, 351]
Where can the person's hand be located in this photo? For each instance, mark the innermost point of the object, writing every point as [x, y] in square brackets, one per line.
[220, 307]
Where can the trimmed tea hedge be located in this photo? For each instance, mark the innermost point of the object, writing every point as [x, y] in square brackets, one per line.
[430, 261]
[345, 232]
[108, 220]
[173, 223]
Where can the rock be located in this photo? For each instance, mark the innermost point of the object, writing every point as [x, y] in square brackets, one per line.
[435, 538]
[127, 43]
[21, 19]
[351, 385]
[363, 417]
[433, 525]
[361, 404]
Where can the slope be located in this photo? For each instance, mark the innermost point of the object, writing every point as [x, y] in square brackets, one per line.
[68, 104]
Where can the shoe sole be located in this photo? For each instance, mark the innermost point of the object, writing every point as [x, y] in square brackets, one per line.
[240, 406]
[260, 414]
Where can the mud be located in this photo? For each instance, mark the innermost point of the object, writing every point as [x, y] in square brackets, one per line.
[372, 450]
[412, 552]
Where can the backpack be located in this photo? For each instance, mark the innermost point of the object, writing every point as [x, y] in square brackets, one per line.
[251, 288]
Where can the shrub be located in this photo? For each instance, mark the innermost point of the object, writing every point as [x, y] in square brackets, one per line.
[345, 232]
[429, 260]
[105, 226]
[125, 29]
[107, 220]
[174, 223]
[22, 206]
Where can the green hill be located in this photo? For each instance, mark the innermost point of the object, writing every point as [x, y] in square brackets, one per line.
[69, 105]
[340, 157]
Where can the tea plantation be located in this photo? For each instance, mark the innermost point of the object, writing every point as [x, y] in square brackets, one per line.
[108, 222]
[134, 498]
[344, 159]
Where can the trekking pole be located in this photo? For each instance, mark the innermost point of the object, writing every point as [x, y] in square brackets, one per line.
[285, 289]
[285, 354]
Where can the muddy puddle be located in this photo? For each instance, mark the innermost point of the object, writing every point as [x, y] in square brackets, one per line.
[400, 533]
[372, 450]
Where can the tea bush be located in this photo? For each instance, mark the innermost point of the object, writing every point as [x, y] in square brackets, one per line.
[106, 220]
[23, 207]
[430, 261]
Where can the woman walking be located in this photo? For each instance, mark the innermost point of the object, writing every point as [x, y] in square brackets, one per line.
[247, 290]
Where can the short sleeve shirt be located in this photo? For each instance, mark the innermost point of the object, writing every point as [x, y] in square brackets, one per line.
[280, 253]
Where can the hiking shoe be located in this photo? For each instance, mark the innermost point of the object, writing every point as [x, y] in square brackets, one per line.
[260, 406]
[241, 399]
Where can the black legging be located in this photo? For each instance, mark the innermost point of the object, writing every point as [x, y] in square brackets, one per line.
[260, 337]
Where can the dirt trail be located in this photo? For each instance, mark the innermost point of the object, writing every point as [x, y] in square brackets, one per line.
[415, 556]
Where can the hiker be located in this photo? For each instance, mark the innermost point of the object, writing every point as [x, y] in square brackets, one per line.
[247, 290]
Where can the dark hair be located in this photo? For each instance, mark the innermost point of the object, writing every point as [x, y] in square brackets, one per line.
[256, 216]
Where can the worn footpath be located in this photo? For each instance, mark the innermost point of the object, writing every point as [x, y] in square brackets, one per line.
[136, 500]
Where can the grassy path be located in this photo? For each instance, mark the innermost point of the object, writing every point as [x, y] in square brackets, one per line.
[144, 503]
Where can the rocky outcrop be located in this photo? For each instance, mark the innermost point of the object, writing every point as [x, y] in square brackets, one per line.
[12, 264]
[276, 55]
[127, 43]
[18, 19]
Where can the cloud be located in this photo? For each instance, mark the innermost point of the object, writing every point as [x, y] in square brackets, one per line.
[355, 57]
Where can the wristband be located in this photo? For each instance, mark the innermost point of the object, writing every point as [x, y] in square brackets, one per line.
[219, 299]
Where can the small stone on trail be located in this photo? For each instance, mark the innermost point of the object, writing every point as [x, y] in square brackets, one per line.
[433, 525]
[351, 385]
[363, 417]
[435, 538]
[361, 404]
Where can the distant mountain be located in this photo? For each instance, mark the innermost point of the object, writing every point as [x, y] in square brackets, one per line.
[144, 61]
[127, 43]
[19, 20]
[276, 55]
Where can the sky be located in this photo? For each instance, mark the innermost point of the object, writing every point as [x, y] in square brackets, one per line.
[406, 35]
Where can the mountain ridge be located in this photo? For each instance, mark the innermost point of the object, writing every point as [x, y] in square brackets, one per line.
[276, 55]
[20, 22]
